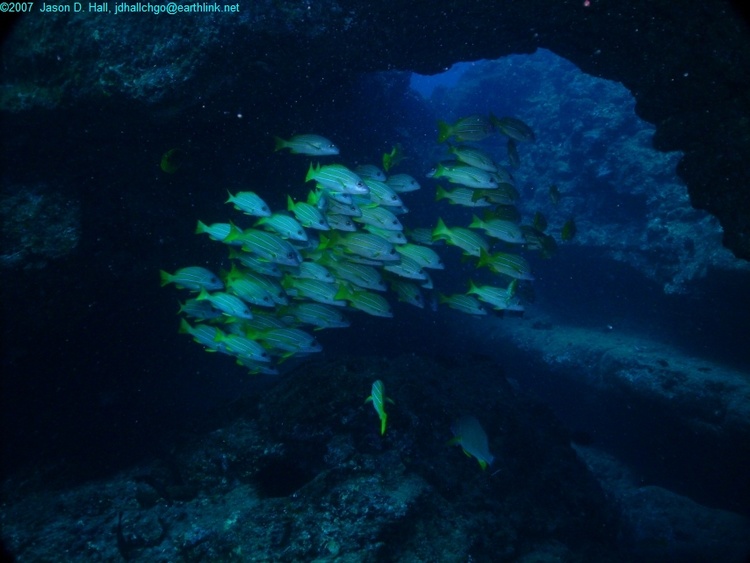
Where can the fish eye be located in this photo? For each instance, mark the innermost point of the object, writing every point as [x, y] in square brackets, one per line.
[393, 251]
[290, 255]
[395, 221]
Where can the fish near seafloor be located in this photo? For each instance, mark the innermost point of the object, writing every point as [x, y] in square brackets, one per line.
[469, 434]
[379, 399]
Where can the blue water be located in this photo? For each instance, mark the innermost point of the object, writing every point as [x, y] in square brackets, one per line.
[97, 379]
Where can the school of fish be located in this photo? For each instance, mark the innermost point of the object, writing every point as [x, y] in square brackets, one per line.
[346, 248]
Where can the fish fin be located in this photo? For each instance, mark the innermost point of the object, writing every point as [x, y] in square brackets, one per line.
[453, 441]
[483, 464]
[369, 399]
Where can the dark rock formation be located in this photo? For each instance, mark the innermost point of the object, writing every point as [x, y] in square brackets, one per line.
[317, 481]
[685, 63]
[687, 411]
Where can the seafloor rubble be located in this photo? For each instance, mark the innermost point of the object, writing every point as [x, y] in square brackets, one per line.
[301, 473]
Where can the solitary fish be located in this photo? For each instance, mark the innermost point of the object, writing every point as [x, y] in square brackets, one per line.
[464, 303]
[365, 301]
[337, 178]
[192, 277]
[497, 228]
[393, 158]
[568, 230]
[513, 128]
[472, 128]
[379, 399]
[504, 263]
[462, 196]
[313, 145]
[230, 305]
[554, 194]
[172, 160]
[513, 158]
[470, 242]
[469, 176]
[402, 183]
[249, 203]
[284, 225]
[474, 157]
[469, 434]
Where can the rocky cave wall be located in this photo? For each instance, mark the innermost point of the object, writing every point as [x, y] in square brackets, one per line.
[686, 64]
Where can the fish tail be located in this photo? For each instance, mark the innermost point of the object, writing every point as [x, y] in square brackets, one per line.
[200, 228]
[311, 172]
[441, 193]
[166, 277]
[280, 143]
[382, 424]
[387, 160]
[444, 131]
[440, 231]
[234, 233]
[184, 327]
[476, 222]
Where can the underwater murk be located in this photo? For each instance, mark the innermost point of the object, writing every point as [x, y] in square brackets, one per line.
[467, 317]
